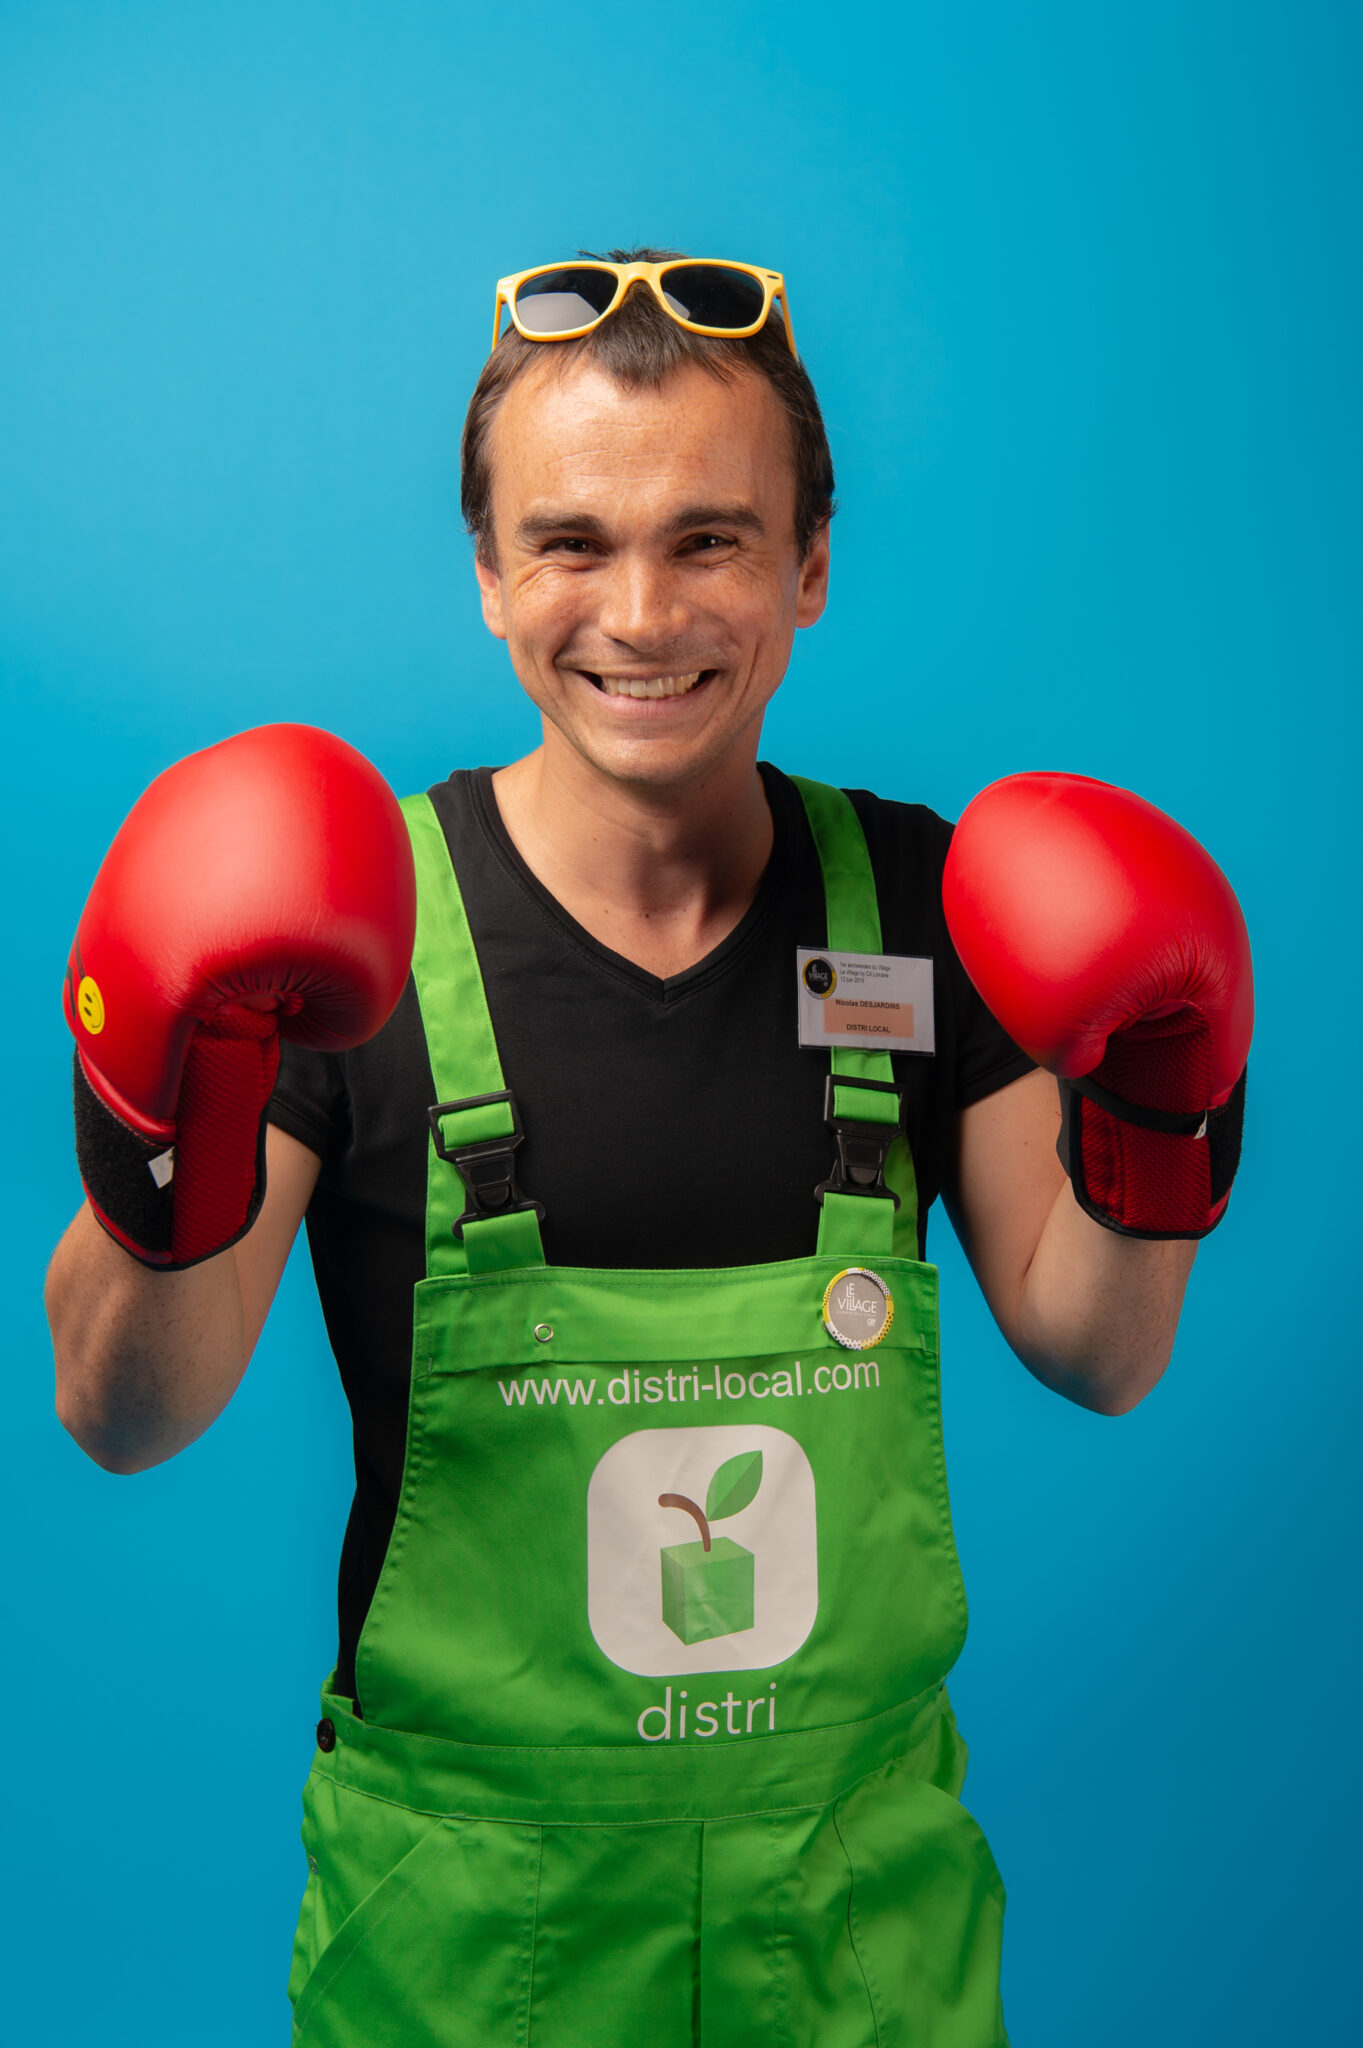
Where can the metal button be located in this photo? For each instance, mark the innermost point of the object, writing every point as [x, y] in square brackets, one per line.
[326, 1736]
[543, 1332]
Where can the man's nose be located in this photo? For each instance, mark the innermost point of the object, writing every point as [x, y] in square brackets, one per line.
[643, 606]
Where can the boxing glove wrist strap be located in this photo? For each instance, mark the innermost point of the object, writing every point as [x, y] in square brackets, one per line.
[1174, 1123]
[175, 1203]
[1149, 1172]
[126, 1177]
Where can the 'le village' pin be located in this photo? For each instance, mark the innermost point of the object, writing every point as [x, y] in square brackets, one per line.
[857, 1308]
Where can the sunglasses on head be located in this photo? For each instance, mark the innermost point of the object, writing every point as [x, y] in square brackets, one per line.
[560, 301]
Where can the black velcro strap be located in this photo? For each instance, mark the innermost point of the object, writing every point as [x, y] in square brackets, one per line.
[1173, 1123]
[116, 1168]
[1225, 1128]
[132, 1203]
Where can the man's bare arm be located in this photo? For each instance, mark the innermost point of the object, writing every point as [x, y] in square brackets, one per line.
[1091, 1313]
[146, 1360]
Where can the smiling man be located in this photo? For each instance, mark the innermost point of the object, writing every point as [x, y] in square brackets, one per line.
[637, 1735]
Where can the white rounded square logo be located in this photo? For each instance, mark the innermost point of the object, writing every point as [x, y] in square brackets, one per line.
[702, 1550]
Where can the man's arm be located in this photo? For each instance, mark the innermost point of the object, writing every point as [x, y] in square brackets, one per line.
[1091, 1313]
[145, 1359]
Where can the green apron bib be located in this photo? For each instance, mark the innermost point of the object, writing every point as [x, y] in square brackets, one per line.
[655, 1749]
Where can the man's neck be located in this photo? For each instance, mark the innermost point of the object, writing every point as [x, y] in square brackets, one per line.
[660, 876]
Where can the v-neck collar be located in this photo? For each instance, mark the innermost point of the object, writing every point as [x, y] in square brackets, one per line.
[783, 800]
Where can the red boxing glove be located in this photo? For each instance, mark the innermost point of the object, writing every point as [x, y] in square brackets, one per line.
[1112, 948]
[262, 886]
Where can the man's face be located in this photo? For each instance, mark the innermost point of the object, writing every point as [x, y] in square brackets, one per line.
[645, 540]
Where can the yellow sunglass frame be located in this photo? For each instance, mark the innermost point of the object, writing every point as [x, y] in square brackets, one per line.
[652, 274]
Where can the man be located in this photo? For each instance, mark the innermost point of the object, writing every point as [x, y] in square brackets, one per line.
[637, 1732]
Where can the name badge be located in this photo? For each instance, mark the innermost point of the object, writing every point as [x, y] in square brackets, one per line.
[879, 1002]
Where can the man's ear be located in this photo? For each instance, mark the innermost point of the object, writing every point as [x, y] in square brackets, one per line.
[490, 591]
[811, 594]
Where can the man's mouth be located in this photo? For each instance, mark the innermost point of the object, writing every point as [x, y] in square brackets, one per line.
[648, 686]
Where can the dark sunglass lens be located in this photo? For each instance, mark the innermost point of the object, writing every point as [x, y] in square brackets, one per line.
[557, 301]
[713, 297]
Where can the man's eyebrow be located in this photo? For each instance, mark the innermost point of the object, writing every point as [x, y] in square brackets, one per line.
[738, 515]
[544, 525]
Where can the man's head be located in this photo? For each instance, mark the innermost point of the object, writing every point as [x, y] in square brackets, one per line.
[648, 506]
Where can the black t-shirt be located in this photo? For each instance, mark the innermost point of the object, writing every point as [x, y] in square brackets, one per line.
[667, 1123]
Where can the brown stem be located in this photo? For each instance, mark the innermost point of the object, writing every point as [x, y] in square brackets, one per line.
[679, 1500]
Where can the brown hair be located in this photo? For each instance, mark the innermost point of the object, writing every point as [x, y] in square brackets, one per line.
[640, 347]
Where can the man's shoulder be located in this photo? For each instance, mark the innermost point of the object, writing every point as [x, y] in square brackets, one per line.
[897, 830]
[453, 792]
[909, 823]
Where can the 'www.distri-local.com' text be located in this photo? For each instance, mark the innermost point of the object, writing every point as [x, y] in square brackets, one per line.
[637, 1388]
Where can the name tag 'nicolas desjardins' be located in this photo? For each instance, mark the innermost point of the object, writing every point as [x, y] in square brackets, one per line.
[876, 1001]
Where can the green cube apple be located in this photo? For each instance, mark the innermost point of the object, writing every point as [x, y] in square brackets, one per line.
[707, 1592]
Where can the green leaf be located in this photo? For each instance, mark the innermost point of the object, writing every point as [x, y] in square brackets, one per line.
[733, 1486]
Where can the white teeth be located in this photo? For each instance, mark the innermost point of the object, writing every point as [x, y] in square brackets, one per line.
[650, 686]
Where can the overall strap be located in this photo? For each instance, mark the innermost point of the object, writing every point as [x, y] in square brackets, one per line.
[476, 1219]
[861, 1090]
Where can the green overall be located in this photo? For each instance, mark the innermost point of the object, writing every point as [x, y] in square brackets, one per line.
[655, 1747]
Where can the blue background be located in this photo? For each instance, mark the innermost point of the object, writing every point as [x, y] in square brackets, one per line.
[1078, 288]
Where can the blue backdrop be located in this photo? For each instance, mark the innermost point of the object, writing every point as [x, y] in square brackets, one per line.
[1079, 291]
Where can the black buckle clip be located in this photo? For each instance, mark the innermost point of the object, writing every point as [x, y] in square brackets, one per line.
[486, 1167]
[862, 1148]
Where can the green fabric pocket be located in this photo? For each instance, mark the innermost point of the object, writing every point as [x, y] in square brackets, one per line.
[414, 1927]
[925, 1914]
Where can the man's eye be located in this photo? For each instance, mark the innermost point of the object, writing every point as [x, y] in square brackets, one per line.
[706, 543]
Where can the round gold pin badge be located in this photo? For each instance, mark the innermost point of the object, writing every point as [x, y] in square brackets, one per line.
[858, 1308]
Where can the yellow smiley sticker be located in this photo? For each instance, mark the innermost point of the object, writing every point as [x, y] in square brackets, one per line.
[90, 1005]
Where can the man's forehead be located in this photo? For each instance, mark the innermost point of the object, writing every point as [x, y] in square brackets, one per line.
[579, 420]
